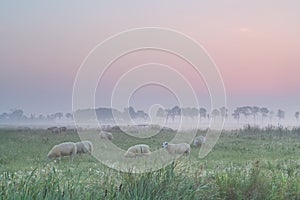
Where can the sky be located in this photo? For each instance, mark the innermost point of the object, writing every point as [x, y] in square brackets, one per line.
[255, 45]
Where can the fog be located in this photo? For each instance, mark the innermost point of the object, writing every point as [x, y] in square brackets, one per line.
[173, 117]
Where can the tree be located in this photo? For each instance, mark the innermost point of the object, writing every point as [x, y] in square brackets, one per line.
[202, 112]
[215, 113]
[132, 113]
[16, 114]
[246, 111]
[254, 112]
[264, 113]
[104, 114]
[116, 114]
[175, 111]
[58, 115]
[129, 113]
[224, 112]
[236, 115]
[52, 117]
[41, 117]
[141, 115]
[190, 112]
[280, 114]
[297, 115]
[32, 116]
[4, 116]
[168, 114]
[69, 115]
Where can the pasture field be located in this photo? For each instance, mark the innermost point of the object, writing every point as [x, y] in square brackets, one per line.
[249, 163]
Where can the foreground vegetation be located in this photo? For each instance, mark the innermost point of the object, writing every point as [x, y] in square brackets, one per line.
[245, 164]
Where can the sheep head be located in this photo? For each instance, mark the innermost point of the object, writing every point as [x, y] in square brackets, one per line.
[164, 144]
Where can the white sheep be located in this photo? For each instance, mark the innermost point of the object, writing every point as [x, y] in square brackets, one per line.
[181, 148]
[63, 129]
[137, 150]
[199, 141]
[51, 128]
[84, 147]
[56, 130]
[63, 149]
[106, 135]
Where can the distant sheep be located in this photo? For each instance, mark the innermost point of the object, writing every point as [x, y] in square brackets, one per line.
[84, 147]
[63, 149]
[51, 128]
[182, 148]
[137, 150]
[63, 129]
[56, 130]
[199, 141]
[106, 135]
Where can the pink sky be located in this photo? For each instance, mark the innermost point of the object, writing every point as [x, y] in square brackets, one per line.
[255, 44]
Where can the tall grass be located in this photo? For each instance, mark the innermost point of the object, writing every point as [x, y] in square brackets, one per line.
[172, 182]
[257, 183]
[52, 183]
[245, 164]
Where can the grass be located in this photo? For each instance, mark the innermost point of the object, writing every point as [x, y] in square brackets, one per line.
[250, 163]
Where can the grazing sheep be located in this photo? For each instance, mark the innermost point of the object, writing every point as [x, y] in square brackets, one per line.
[63, 129]
[63, 149]
[51, 128]
[137, 150]
[182, 148]
[84, 147]
[56, 130]
[199, 141]
[106, 135]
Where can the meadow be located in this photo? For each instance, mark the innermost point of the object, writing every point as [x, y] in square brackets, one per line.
[249, 163]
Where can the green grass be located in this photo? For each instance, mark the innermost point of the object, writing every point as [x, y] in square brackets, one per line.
[245, 164]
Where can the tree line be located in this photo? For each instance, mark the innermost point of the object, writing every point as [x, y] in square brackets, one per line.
[17, 115]
[103, 114]
[247, 113]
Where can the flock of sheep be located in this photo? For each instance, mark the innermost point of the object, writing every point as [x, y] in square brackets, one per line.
[55, 129]
[71, 149]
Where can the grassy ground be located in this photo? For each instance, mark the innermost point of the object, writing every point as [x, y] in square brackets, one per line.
[245, 164]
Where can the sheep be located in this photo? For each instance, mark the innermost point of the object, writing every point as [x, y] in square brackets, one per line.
[56, 130]
[84, 147]
[63, 129]
[63, 149]
[51, 128]
[137, 150]
[106, 135]
[199, 141]
[182, 148]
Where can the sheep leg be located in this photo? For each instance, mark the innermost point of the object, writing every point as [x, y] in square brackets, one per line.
[72, 158]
